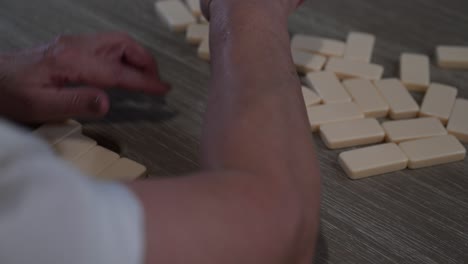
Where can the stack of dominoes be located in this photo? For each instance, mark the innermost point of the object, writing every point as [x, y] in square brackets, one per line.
[82, 152]
[346, 98]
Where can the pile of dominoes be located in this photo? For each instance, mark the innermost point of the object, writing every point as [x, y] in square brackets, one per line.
[350, 104]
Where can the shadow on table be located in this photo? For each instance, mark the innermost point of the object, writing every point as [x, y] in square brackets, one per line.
[127, 106]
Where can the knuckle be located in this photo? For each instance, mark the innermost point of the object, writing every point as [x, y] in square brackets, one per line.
[64, 75]
[60, 51]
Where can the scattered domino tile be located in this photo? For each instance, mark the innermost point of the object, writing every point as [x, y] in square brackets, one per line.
[438, 102]
[367, 97]
[53, 133]
[454, 57]
[196, 33]
[415, 71]
[372, 161]
[330, 113]
[204, 50]
[359, 46]
[95, 161]
[194, 6]
[458, 122]
[307, 62]
[433, 151]
[411, 129]
[73, 146]
[328, 87]
[352, 133]
[324, 46]
[402, 104]
[346, 69]
[123, 170]
[310, 97]
[175, 14]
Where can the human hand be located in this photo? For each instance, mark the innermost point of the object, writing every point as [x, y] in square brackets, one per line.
[33, 83]
[285, 5]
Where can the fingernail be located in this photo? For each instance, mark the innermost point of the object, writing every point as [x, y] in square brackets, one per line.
[95, 105]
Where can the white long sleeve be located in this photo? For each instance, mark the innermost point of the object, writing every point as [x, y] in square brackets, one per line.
[51, 214]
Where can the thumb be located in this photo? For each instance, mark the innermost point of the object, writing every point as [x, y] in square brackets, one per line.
[65, 103]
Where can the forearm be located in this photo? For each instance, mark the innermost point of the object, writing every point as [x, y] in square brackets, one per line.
[258, 197]
[256, 118]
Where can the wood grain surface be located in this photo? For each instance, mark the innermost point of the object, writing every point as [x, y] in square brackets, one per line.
[416, 216]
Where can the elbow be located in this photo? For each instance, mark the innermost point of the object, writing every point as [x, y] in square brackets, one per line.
[301, 220]
[292, 219]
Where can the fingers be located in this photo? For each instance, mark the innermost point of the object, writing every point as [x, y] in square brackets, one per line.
[52, 104]
[138, 57]
[133, 53]
[132, 79]
[97, 72]
[107, 60]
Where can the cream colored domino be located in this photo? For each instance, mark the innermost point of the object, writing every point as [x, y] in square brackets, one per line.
[438, 102]
[367, 97]
[95, 161]
[194, 6]
[196, 33]
[307, 62]
[175, 14]
[324, 46]
[330, 113]
[204, 50]
[74, 146]
[328, 87]
[402, 104]
[454, 57]
[352, 133]
[433, 151]
[310, 97]
[123, 170]
[53, 133]
[458, 122]
[372, 161]
[346, 69]
[411, 129]
[359, 46]
[415, 71]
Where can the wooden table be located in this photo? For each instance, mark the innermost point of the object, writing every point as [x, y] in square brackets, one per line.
[406, 217]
